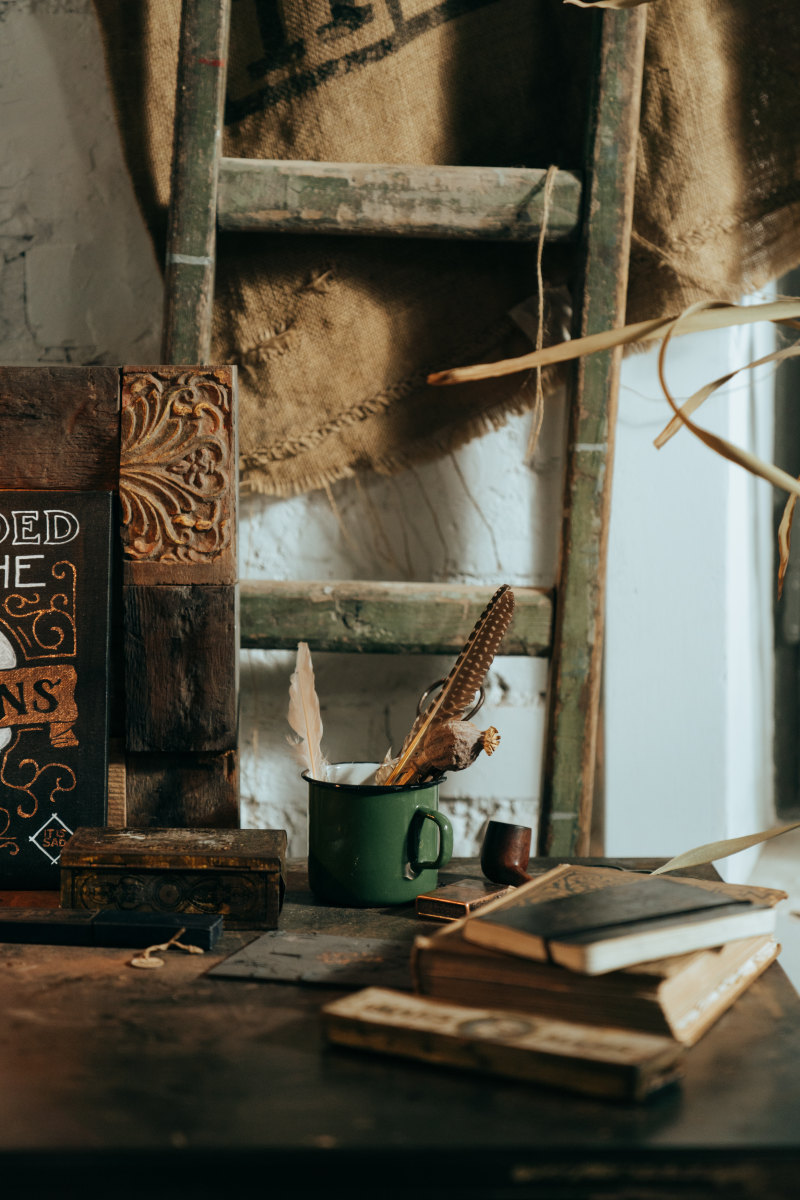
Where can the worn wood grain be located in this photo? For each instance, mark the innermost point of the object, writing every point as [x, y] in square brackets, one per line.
[191, 235]
[59, 428]
[182, 790]
[574, 698]
[385, 618]
[181, 668]
[236, 872]
[598, 1062]
[178, 474]
[471, 203]
[187, 1082]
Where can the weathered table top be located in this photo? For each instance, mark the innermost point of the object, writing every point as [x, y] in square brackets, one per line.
[118, 1082]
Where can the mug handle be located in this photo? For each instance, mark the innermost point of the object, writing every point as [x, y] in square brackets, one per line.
[445, 839]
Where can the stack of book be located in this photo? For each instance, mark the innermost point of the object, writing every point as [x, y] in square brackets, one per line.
[588, 978]
[606, 947]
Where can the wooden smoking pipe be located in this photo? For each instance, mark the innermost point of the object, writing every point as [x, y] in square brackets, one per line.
[505, 852]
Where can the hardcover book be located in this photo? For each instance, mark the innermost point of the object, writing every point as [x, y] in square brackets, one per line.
[55, 562]
[596, 1062]
[680, 997]
[595, 919]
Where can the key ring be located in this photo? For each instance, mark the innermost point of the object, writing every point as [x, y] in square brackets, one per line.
[481, 694]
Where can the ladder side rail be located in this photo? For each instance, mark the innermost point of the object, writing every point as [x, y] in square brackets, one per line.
[575, 676]
[191, 234]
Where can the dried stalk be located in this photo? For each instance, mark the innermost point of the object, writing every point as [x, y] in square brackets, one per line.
[712, 851]
[714, 316]
[608, 3]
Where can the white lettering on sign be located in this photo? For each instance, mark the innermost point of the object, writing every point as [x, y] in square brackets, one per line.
[60, 527]
[22, 562]
[24, 528]
[32, 527]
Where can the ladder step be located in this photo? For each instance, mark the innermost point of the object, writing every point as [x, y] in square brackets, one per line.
[384, 618]
[478, 203]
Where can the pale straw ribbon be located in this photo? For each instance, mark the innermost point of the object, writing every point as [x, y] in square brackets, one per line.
[538, 407]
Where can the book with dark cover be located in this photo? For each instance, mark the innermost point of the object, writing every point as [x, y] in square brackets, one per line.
[592, 919]
[79, 927]
[680, 996]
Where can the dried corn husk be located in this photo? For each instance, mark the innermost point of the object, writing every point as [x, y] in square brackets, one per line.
[701, 317]
[712, 851]
[785, 541]
[713, 316]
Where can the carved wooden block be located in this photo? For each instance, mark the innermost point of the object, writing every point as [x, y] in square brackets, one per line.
[172, 455]
[192, 790]
[181, 668]
[54, 670]
[238, 873]
[59, 428]
[178, 474]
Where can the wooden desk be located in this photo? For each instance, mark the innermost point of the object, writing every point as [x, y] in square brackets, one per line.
[123, 1083]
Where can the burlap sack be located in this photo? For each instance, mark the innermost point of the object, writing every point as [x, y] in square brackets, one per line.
[335, 335]
[717, 211]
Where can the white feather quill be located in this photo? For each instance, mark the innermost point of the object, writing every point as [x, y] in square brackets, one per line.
[304, 715]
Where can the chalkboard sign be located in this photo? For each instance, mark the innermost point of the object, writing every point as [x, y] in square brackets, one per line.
[55, 562]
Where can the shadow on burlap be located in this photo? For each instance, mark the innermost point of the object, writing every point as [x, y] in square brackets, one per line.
[335, 336]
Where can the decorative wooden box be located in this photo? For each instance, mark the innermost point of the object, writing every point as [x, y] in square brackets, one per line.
[238, 873]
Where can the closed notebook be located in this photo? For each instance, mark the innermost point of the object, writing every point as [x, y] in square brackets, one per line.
[680, 997]
[593, 920]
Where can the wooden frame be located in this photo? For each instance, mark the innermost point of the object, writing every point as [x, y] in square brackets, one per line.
[163, 439]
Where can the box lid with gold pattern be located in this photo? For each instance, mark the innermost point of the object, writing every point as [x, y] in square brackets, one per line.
[236, 872]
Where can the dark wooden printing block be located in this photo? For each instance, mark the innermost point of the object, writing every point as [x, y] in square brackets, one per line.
[46, 927]
[77, 927]
[139, 930]
[197, 790]
[238, 873]
[178, 477]
[181, 666]
[59, 428]
[55, 552]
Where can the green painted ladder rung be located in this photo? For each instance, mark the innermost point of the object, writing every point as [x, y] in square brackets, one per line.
[469, 203]
[384, 618]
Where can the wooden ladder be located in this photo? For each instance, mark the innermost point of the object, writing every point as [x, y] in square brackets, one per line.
[595, 206]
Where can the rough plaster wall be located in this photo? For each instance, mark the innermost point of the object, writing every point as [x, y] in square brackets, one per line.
[428, 524]
[79, 281]
[80, 284]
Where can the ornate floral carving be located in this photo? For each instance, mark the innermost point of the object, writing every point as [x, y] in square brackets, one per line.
[44, 627]
[175, 466]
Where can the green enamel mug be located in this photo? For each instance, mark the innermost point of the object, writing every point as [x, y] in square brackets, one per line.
[370, 846]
